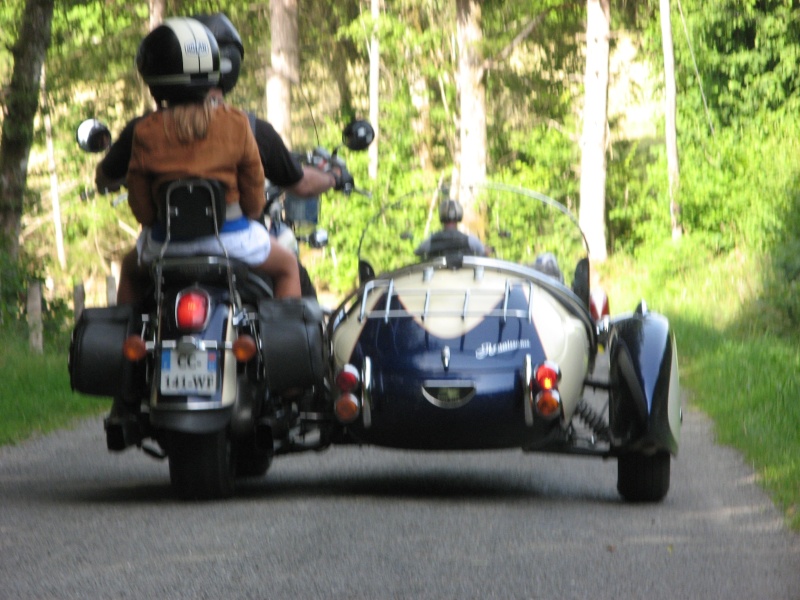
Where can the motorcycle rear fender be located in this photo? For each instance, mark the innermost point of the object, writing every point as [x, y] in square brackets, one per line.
[201, 414]
[644, 402]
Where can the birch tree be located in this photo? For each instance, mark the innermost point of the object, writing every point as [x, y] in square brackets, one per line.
[472, 103]
[285, 66]
[670, 109]
[595, 125]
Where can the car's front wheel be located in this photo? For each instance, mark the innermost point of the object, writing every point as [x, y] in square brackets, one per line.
[643, 478]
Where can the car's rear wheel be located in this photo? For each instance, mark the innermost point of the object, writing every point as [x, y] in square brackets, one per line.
[643, 478]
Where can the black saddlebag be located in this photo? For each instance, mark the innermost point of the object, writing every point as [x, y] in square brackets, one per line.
[96, 364]
[292, 345]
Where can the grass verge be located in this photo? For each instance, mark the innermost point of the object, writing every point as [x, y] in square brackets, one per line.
[36, 397]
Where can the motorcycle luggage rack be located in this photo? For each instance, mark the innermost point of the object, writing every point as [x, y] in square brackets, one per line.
[461, 303]
[191, 208]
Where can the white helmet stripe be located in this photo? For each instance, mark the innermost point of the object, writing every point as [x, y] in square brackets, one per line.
[195, 45]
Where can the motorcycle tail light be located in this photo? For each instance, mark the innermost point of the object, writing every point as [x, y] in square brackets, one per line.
[548, 404]
[598, 305]
[347, 379]
[134, 348]
[347, 408]
[547, 376]
[191, 310]
[244, 348]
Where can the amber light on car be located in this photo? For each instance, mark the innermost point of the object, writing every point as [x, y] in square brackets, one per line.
[191, 310]
[347, 407]
[547, 400]
[134, 348]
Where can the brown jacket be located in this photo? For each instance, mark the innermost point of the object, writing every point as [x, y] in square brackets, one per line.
[228, 153]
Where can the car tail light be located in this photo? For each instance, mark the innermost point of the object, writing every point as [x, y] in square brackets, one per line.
[192, 310]
[547, 375]
[598, 304]
[347, 408]
[347, 379]
[548, 404]
[134, 348]
[544, 396]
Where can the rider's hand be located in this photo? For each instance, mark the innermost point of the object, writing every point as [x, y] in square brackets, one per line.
[343, 180]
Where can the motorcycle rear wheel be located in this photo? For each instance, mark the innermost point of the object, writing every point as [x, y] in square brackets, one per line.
[201, 466]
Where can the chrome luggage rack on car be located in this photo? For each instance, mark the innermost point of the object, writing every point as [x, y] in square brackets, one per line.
[461, 300]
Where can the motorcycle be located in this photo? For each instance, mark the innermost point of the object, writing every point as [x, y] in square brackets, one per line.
[222, 375]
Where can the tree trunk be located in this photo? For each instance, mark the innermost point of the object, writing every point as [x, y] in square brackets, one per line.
[51, 164]
[472, 101]
[34, 310]
[21, 96]
[285, 67]
[595, 125]
[374, 80]
[670, 133]
[157, 8]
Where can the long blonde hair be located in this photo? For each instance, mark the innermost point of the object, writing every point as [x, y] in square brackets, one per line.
[189, 120]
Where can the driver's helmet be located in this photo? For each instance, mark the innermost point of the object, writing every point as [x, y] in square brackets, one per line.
[231, 50]
[450, 211]
[179, 61]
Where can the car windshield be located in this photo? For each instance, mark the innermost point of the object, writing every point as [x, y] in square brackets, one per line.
[514, 224]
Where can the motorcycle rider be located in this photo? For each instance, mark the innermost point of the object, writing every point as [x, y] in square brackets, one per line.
[195, 135]
[279, 165]
[450, 240]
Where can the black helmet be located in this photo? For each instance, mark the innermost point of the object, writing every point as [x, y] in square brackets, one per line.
[450, 211]
[179, 60]
[231, 50]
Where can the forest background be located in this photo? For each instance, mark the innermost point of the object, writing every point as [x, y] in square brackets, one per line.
[729, 282]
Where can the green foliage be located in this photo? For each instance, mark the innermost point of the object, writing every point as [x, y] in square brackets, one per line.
[36, 394]
[14, 279]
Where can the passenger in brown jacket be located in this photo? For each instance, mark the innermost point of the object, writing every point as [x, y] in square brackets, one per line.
[195, 135]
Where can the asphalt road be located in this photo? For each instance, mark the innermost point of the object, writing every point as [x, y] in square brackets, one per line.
[78, 522]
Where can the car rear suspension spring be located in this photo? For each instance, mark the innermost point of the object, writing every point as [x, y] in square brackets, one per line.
[593, 419]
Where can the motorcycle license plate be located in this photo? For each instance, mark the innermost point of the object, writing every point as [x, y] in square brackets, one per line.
[189, 374]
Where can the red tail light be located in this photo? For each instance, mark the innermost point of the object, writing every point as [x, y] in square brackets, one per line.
[347, 378]
[547, 376]
[191, 310]
[598, 304]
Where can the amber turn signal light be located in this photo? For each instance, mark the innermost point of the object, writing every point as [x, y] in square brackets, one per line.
[548, 404]
[134, 349]
[244, 348]
[346, 408]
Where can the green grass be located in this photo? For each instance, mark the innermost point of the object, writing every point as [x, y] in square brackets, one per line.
[35, 396]
[737, 366]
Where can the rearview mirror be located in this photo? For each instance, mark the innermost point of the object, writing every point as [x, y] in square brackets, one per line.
[93, 136]
[358, 135]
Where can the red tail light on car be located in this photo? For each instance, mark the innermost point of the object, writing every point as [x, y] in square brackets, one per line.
[544, 394]
[192, 310]
[347, 378]
[347, 405]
